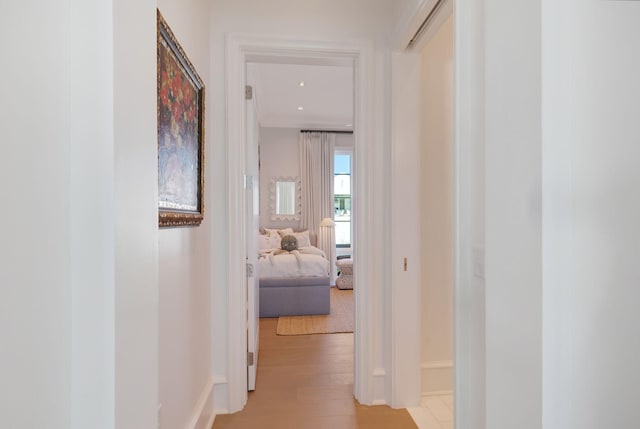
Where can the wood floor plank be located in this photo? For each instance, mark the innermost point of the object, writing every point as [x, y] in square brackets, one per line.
[306, 381]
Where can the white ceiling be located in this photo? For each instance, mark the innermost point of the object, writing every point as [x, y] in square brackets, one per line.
[326, 97]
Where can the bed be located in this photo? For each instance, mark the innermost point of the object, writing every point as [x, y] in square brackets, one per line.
[292, 283]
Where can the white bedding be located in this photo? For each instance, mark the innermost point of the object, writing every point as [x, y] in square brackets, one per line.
[305, 262]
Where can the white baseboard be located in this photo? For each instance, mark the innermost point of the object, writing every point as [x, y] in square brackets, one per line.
[437, 378]
[203, 414]
[379, 381]
[220, 397]
[437, 393]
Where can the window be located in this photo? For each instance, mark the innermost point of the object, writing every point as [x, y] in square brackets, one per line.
[342, 199]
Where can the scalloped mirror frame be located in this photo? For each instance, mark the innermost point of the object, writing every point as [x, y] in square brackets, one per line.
[297, 198]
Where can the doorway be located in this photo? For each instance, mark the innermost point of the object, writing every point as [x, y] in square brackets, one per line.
[285, 100]
[297, 103]
[369, 385]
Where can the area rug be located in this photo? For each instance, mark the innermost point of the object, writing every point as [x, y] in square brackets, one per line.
[340, 319]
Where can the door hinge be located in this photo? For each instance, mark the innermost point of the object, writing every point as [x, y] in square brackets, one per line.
[249, 270]
[248, 92]
[249, 358]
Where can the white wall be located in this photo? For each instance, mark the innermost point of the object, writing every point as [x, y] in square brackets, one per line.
[513, 255]
[577, 120]
[184, 287]
[437, 211]
[136, 215]
[79, 267]
[92, 211]
[333, 18]
[279, 157]
[35, 311]
[591, 206]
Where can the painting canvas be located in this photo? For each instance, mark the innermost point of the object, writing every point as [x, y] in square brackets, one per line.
[180, 134]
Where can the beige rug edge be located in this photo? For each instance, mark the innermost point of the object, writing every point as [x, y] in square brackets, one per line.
[340, 320]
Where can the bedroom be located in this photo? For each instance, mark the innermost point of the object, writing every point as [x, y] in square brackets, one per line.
[288, 99]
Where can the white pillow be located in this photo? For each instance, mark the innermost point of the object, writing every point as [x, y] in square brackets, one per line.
[303, 238]
[266, 242]
[278, 232]
[270, 232]
[286, 231]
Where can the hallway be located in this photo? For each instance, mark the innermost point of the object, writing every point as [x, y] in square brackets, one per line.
[306, 381]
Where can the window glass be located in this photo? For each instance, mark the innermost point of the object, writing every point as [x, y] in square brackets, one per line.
[342, 199]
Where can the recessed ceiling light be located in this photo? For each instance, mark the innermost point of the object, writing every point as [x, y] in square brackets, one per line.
[300, 108]
[301, 83]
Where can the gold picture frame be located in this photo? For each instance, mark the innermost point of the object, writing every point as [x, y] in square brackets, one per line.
[181, 119]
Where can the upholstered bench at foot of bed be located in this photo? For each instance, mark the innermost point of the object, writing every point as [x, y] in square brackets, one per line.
[299, 296]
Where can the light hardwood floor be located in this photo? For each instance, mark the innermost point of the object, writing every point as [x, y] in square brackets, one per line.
[306, 382]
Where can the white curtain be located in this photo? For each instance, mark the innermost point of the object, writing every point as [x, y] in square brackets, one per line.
[316, 177]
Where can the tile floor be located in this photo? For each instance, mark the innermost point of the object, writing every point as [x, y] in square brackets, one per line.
[436, 412]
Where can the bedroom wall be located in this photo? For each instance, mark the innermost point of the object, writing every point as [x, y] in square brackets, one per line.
[185, 348]
[344, 141]
[437, 211]
[278, 157]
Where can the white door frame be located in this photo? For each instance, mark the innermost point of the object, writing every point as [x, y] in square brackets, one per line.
[240, 48]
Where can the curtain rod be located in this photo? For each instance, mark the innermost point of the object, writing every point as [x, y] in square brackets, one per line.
[327, 131]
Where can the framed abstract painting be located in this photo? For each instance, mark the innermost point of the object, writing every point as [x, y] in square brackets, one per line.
[180, 134]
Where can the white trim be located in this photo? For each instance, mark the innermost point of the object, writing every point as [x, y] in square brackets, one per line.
[212, 419]
[239, 49]
[437, 364]
[220, 395]
[235, 78]
[203, 409]
[379, 386]
[437, 393]
[436, 377]
[287, 123]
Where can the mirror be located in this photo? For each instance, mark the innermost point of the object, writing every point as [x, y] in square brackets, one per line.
[285, 198]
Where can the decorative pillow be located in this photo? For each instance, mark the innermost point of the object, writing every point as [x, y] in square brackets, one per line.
[303, 238]
[289, 243]
[286, 231]
[266, 242]
[271, 232]
[278, 232]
